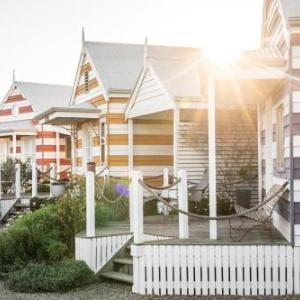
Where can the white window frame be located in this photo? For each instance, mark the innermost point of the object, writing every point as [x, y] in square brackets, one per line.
[103, 133]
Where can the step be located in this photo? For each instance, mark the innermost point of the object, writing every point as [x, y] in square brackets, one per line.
[124, 261]
[118, 276]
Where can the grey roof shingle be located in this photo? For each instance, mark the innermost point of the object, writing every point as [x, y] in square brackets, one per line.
[23, 125]
[180, 77]
[42, 96]
[118, 65]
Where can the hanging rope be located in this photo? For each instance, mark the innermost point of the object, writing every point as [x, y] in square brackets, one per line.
[44, 173]
[66, 170]
[98, 174]
[102, 195]
[162, 188]
[204, 217]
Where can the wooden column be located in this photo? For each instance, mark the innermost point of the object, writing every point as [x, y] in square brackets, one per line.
[73, 148]
[259, 153]
[137, 205]
[212, 156]
[18, 180]
[183, 205]
[90, 200]
[57, 155]
[14, 146]
[52, 175]
[176, 119]
[130, 145]
[34, 178]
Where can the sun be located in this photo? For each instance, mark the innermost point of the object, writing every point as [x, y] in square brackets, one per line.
[221, 56]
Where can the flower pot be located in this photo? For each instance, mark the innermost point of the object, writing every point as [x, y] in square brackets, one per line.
[243, 197]
[56, 189]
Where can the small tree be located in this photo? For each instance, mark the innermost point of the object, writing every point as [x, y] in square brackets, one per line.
[8, 174]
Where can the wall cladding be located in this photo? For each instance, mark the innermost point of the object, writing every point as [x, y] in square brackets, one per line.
[236, 147]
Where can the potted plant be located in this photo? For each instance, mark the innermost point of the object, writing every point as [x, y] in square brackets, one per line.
[243, 195]
[57, 188]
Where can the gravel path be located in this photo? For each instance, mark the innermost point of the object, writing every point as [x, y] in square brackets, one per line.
[108, 291]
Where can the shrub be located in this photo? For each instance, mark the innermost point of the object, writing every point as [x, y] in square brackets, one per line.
[102, 214]
[71, 211]
[57, 277]
[8, 174]
[36, 236]
[118, 193]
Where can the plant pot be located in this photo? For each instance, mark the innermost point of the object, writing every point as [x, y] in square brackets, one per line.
[56, 189]
[243, 197]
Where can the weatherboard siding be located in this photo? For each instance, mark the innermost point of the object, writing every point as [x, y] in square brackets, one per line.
[40, 144]
[150, 97]
[236, 147]
[81, 95]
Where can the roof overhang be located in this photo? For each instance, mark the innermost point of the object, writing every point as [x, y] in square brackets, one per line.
[255, 70]
[67, 115]
[17, 132]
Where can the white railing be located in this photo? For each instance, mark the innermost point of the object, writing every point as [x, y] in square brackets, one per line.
[216, 270]
[97, 251]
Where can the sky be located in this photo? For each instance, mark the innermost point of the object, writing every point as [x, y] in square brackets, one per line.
[41, 39]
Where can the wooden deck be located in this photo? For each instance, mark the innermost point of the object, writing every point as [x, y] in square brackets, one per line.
[199, 231]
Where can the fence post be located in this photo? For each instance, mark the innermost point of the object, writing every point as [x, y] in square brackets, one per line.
[137, 222]
[137, 205]
[18, 180]
[183, 205]
[90, 199]
[52, 175]
[33, 178]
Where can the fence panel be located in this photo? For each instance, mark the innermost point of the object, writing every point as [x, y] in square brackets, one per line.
[219, 269]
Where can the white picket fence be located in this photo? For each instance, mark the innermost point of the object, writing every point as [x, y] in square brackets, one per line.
[216, 270]
[5, 206]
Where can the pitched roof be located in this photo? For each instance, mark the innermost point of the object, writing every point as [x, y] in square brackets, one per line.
[290, 9]
[118, 65]
[42, 96]
[23, 125]
[180, 77]
[264, 52]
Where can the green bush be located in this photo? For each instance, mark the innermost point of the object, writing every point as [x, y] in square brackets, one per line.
[8, 174]
[36, 236]
[71, 211]
[57, 277]
[102, 214]
[224, 206]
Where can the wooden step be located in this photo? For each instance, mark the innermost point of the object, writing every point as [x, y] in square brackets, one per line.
[124, 261]
[118, 276]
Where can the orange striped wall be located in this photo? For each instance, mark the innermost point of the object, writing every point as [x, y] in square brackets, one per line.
[14, 98]
[25, 109]
[5, 112]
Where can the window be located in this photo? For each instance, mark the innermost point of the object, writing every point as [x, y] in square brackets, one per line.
[86, 81]
[102, 141]
[280, 138]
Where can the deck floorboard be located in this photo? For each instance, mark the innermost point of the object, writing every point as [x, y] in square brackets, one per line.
[198, 231]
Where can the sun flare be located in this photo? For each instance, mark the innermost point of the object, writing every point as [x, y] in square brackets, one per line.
[221, 56]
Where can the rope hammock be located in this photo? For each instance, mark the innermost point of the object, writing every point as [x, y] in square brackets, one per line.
[204, 217]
